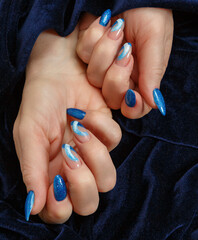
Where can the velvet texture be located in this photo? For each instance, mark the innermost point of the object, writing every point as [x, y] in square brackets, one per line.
[156, 195]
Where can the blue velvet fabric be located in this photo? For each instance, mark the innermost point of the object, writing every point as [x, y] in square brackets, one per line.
[156, 195]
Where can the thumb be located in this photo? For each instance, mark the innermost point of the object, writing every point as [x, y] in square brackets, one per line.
[32, 150]
[152, 65]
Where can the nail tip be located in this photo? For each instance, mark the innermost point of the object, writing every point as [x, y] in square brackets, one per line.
[105, 18]
[76, 113]
[60, 190]
[159, 101]
[130, 98]
[29, 204]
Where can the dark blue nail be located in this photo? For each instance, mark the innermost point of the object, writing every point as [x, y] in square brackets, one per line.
[60, 191]
[76, 113]
[29, 204]
[105, 18]
[159, 101]
[130, 98]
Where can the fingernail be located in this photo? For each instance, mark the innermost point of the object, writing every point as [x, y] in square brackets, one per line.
[159, 101]
[105, 18]
[124, 55]
[116, 29]
[71, 156]
[60, 191]
[29, 204]
[80, 131]
[130, 98]
[76, 113]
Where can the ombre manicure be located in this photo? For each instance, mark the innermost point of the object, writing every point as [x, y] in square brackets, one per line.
[124, 55]
[130, 98]
[116, 29]
[71, 156]
[60, 191]
[76, 113]
[159, 101]
[29, 204]
[105, 18]
[80, 131]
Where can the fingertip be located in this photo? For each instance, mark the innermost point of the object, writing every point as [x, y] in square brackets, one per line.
[58, 207]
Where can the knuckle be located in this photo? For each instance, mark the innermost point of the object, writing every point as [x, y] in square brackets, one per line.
[89, 208]
[82, 53]
[109, 182]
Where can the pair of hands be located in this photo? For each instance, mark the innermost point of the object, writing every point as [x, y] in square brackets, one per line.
[56, 79]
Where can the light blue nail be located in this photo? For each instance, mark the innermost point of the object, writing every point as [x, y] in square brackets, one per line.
[105, 18]
[76, 113]
[159, 101]
[117, 25]
[67, 148]
[29, 204]
[130, 98]
[75, 125]
[126, 48]
[60, 191]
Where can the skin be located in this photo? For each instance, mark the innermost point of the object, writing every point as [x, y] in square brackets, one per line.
[150, 30]
[56, 80]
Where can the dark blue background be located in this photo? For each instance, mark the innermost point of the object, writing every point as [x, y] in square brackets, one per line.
[156, 196]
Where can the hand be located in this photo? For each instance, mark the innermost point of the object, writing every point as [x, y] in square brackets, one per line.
[150, 30]
[56, 81]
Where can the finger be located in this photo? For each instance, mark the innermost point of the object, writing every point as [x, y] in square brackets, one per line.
[133, 105]
[100, 123]
[58, 207]
[32, 150]
[104, 53]
[117, 78]
[81, 183]
[96, 157]
[88, 38]
[152, 66]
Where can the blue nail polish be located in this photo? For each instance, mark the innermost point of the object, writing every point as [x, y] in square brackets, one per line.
[126, 48]
[130, 98]
[29, 204]
[75, 125]
[105, 18]
[76, 113]
[67, 148]
[117, 25]
[159, 101]
[60, 191]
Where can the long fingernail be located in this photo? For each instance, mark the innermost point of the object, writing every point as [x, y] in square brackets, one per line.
[76, 113]
[105, 18]
[60, 191]
[159, 101]
[124, 55]
[71, 156]
[29, 204]
[80, 131]
[130, 98]
[116, 29]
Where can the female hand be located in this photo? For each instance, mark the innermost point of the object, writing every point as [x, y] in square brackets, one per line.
[136, 77]
[56, 81]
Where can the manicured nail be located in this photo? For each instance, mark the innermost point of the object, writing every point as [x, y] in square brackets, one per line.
[80, 131]
[29, 204]
[130, 98]
[124, 55]
[60, 191]
[76, 113]
[116, 29]
[105, 18]
[71, 156]
[159, 101]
